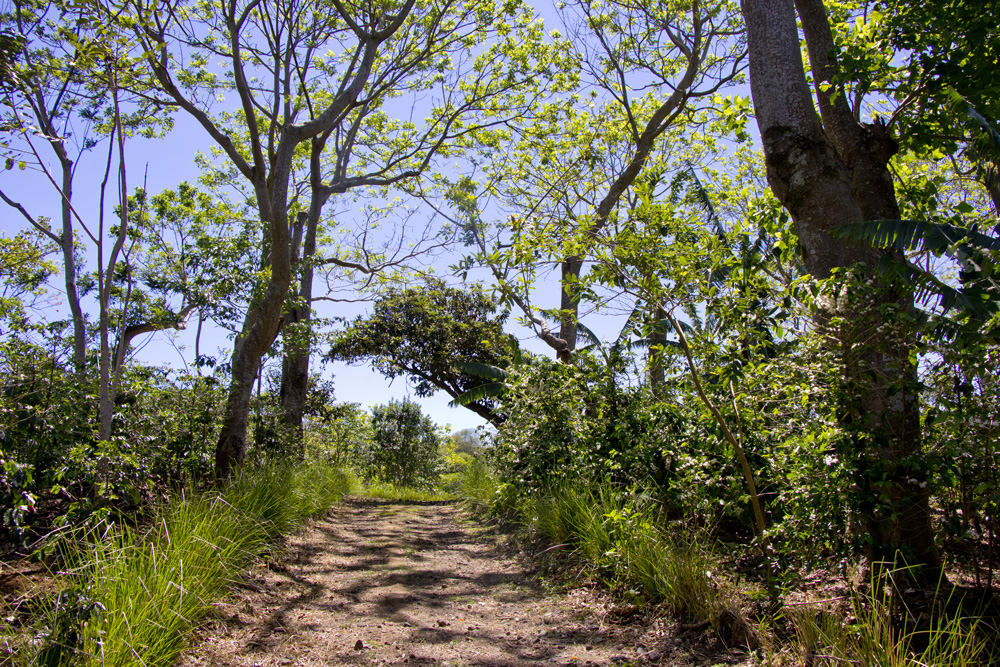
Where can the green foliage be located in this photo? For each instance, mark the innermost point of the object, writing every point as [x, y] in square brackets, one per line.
[617, 533]
[17, 495]
[339, 432]
[405, 447]
[130, 593]
[405, 494]
[478, 485]
[24, 270]
[919, 65]
[163, 432]
[976, 298]
[421, 331]
[961, 421]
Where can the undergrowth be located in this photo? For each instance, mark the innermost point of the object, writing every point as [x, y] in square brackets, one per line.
[131, 598]
[877, 634]
[622, 539]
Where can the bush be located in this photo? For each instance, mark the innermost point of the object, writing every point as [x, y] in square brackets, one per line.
[405, 447]
[342, 431]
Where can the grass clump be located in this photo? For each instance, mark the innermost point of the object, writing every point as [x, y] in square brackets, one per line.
[131, 599]
[876, 634]
[620, 535]
[477, 484]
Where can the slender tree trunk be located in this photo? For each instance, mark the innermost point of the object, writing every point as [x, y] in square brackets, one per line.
[298, 344]
[68, 246]
[658, 342]
[828, 172]
[569, 305]
[298, 347]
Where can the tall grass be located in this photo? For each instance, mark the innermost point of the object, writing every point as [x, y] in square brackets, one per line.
[876, 636]
[618, 533]
[477, 484]
[385, 491]
[131, 599]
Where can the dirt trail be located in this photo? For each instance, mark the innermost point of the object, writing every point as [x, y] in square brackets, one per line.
[388, 583]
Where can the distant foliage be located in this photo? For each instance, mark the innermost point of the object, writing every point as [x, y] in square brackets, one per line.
[339, 433]
[404, 449]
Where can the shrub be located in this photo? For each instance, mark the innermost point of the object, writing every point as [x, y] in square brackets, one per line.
[405, 447]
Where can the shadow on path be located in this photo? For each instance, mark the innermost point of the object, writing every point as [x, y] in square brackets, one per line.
[380, 582]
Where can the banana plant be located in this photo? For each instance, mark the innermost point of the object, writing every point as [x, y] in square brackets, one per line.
[974, 303]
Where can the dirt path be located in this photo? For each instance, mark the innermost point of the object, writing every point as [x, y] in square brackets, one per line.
[389, 583]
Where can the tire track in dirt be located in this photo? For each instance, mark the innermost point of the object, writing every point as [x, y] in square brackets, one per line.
[388, 583]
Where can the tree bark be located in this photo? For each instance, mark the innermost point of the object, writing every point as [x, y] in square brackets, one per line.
[68, 246]
[297, 338]
[260, 328]
[569, 307]
[827, 172]
[657, 351]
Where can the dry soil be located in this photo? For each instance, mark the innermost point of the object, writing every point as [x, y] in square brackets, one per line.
[389, 583]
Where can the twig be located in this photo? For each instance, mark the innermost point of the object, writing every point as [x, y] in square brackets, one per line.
[796, 604]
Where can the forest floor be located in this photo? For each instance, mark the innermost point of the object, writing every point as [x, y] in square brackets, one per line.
[390, 583]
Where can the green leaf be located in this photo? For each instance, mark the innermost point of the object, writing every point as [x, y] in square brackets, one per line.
[483, 391]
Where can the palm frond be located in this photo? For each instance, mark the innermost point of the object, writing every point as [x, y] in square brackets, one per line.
[700, 195]
[911, 235]
[978, 302]
[483, 391]
[482, 370]
[584, 332]
[633, 322]
[960, 104]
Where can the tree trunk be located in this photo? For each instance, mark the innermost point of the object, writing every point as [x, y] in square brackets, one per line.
[298, 343]
[828, 172]
[298, 347]
[260, 327]
[657, 351]
[569, 306]
[68, 246]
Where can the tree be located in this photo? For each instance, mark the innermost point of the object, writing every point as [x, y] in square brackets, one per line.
[422, 332]
[405, 446]
[43, 87]
[59, 84]
[646, 69]
[24, 269]
[830, 169]
[467, 441]
[304, 71]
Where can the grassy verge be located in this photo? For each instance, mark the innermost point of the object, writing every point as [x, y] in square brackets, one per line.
[384, 491]
[619, 535]
[131, 599]
[877, 634]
